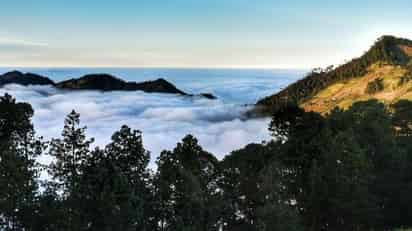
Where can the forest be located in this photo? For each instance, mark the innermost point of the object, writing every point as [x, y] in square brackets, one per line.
[346, 170]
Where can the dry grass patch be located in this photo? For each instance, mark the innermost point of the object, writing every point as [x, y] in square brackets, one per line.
[344, 94]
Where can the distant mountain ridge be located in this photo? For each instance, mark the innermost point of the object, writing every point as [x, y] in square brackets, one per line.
[25, 79]
[106, 82]
[389, 60]
[101, 82]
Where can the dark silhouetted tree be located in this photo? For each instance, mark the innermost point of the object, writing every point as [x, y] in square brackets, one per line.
[186, 188]
[18, 170]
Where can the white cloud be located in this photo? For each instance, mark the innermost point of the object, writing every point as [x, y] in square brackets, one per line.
[21, 42]
[164, 119]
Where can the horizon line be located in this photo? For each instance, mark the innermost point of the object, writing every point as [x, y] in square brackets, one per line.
[160, 67]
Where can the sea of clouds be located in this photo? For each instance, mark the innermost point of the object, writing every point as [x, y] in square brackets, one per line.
[164, 119]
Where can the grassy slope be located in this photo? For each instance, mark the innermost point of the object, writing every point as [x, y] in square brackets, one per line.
[389, 59]
[345, 93]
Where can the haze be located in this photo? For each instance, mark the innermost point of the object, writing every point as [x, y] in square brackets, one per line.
[194, 33]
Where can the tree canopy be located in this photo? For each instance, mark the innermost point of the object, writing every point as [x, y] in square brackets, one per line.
[346, 170]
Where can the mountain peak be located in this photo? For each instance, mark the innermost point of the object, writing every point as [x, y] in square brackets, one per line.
[21, 78]
[13, 73]
[391, 49]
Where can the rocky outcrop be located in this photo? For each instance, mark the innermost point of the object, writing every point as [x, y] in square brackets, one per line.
[17, 77]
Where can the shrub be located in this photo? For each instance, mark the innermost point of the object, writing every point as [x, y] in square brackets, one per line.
[375, 86]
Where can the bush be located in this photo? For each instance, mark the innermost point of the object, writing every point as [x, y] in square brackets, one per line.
[405, 79]
[375, 86]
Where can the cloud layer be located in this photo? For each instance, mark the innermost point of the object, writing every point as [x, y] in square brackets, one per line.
[164, 119]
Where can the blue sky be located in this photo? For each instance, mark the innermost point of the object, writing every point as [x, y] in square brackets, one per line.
[195, 33]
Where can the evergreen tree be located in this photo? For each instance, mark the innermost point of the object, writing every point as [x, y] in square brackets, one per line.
[240, 184]
[186, 188]
[49, 210]
[115, 188]
[332, 163]
[70, 153]
[276, 211]
[402, 118]
[18, 169]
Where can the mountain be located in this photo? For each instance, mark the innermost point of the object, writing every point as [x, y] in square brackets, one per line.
[102, 82]
[384, 72]
[159, 85]
[105, 82]
[25, 79]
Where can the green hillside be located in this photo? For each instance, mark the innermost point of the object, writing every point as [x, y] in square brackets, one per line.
[383, 72]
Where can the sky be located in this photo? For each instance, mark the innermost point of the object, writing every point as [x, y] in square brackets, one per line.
[195, 33]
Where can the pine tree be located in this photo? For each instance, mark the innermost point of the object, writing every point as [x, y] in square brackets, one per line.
[185, 186]
[114, 187]
[70, 153]
[18, 169]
